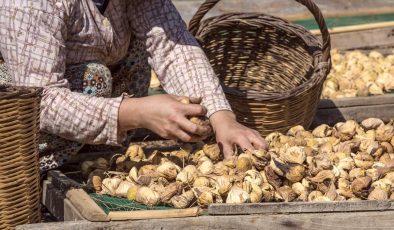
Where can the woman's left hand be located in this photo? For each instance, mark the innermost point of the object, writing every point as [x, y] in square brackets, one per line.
[230, 133]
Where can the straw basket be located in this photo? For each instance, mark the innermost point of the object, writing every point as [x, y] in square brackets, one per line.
[19, 169]
[272, 71]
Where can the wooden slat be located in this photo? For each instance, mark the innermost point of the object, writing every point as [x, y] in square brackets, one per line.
[386, 99]
[357, 113]
[289, 9]
[321, 221]
[52, 199]
[70, 212]
[366, 39]
[154, 214]
[353, 28]
[299, 207]
[86, 206]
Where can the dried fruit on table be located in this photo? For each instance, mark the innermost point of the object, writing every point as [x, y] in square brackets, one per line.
[182, 201]
[294, 154]
[147, 196]
[123, 188]
[361, 185]
[205, 166]
[201, 181]
[244, 164]
[385, 133]
[109, 185]
[168, 170]
[378, 194]
[135, 153]
[357, 74]
[237, 196]
[223, 184]
[347, 162]
[187, 175]
[132, 192]
[212, 151]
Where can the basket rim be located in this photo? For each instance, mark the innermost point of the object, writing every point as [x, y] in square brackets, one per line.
[18, 92]
[258, 20]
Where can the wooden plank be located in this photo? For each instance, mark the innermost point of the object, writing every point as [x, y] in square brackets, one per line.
[62, 182]
[358, 113]
[86, 206]
[386, 99]
[299, 207]
[53, 201]
[70, 212]
[321, 221]
[354, 28]
[289, 9]
[366, 39]
[154, 214]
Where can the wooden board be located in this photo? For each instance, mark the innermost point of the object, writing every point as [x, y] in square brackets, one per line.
[85, 205]
[359, 108]
[289, 9]
[299, 207]
[382, 38]
[321, 221]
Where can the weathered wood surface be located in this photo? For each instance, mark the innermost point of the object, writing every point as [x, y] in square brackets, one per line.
[299, 207]
[86, 206]
[357, 101]
[321, 221]
[70, 212]
[52, 199]
[57, 204]
[365, 39]
[333, 111]
[153, 214]
[288, 8]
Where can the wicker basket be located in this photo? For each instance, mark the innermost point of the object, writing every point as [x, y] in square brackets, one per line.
[272, 71]
[19, 169]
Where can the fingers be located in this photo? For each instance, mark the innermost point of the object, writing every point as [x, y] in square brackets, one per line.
[195, 100]
[258, 142]
[194, 110]
[244, 143]
[249, 142]
[194, 129]
[186, 137]
[227, 150]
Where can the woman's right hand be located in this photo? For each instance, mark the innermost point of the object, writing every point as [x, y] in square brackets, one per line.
[165, 115]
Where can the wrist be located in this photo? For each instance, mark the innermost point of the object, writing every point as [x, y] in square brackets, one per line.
[221, 117]
[129, 114]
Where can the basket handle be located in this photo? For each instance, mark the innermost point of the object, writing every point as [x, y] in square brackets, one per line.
[195, 22]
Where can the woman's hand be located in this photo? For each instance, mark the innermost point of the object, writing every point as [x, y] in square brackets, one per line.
[230, 133]
[165, 115]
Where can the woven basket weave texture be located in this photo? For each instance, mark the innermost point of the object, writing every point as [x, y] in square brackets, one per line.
[19, 169]
[272, 71]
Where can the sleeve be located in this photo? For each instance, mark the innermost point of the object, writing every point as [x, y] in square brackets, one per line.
[33, 46]
[180, 63]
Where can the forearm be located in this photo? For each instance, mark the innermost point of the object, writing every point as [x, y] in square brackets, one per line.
[180, 63]
[76, 117]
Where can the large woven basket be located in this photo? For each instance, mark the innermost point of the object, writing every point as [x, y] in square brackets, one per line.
[272, 71]
[19, 169]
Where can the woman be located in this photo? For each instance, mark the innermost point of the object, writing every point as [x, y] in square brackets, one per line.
[86, 53]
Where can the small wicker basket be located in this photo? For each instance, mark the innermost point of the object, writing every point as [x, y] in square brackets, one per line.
[272, 71]
[19, 169]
